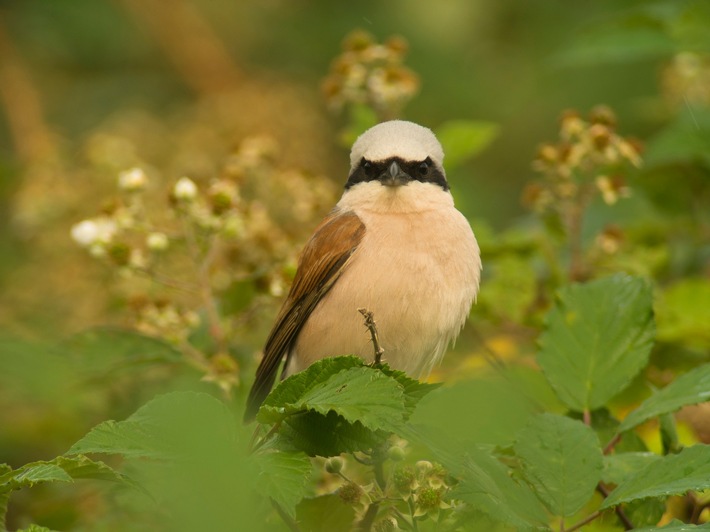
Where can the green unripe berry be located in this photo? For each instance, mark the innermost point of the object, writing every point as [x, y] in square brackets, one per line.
[334, 465]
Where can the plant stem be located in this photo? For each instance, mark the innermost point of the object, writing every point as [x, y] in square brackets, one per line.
[372, 327]
[583, 522]
[628, 525]
[612, 443]
[290, 521]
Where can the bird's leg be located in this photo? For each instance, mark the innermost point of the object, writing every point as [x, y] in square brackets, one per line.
[372, 327]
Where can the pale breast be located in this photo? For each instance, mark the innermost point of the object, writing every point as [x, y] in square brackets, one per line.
[417, 272]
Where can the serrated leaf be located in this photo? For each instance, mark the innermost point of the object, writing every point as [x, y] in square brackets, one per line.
[620, 466]
[597, 338]
[329, 435]
[126, 438]
[170, 424]
[284, 477]
[463, 139]
[60, 469]
[688, 389]
[487, 486]
[672, 475]
[290, 390]
[33, 473]
[324, 513]
[562, 460]
[358, 394]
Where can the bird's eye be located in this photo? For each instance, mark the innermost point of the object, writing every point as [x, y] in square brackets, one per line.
[423, 168]
[367, 166]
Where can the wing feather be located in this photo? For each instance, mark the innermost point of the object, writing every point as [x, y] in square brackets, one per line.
[322, 261]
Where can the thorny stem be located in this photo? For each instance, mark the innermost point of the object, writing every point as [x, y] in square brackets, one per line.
[372, 327]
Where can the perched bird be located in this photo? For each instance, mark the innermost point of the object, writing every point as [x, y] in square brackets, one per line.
[395, 245]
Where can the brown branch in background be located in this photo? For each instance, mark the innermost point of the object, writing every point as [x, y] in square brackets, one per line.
[372, 327]
[22, 105]
[190, 43]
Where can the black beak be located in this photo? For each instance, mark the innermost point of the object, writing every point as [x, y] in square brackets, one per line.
[394, 176]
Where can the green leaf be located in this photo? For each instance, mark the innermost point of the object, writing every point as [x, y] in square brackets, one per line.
[329, 435]
[61, 469]
[619, 467]
[327, 512]
[358, 394]
[283, 477]
[688, 389]
[463, 139]
[672, 475]
[378, 398]
[170, 424]
[33, 473]
[507, 409]
[290, 390]
[562, 460]
[486, 485]
[597, 338]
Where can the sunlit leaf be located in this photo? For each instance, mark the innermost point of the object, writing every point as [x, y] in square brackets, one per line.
[672, 475]
[562, 460]
[597, 338]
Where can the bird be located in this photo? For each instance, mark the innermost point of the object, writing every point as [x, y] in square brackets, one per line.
[394, 244]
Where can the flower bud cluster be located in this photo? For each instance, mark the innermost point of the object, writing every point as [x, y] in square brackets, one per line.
[589, 151]
[371, 73]
[426, 483]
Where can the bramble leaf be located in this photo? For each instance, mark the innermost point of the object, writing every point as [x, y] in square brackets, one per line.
[597, 338]
[671, 475]
[284, 477]
[688, 389]
[562, 460]
[620, 466]
[487, 486]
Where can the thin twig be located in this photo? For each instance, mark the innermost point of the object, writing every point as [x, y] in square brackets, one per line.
[612, 443]
[628, 525]
[372, 327]
[585, 521]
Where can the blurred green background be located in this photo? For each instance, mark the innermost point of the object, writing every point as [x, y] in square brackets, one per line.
[89, 88]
